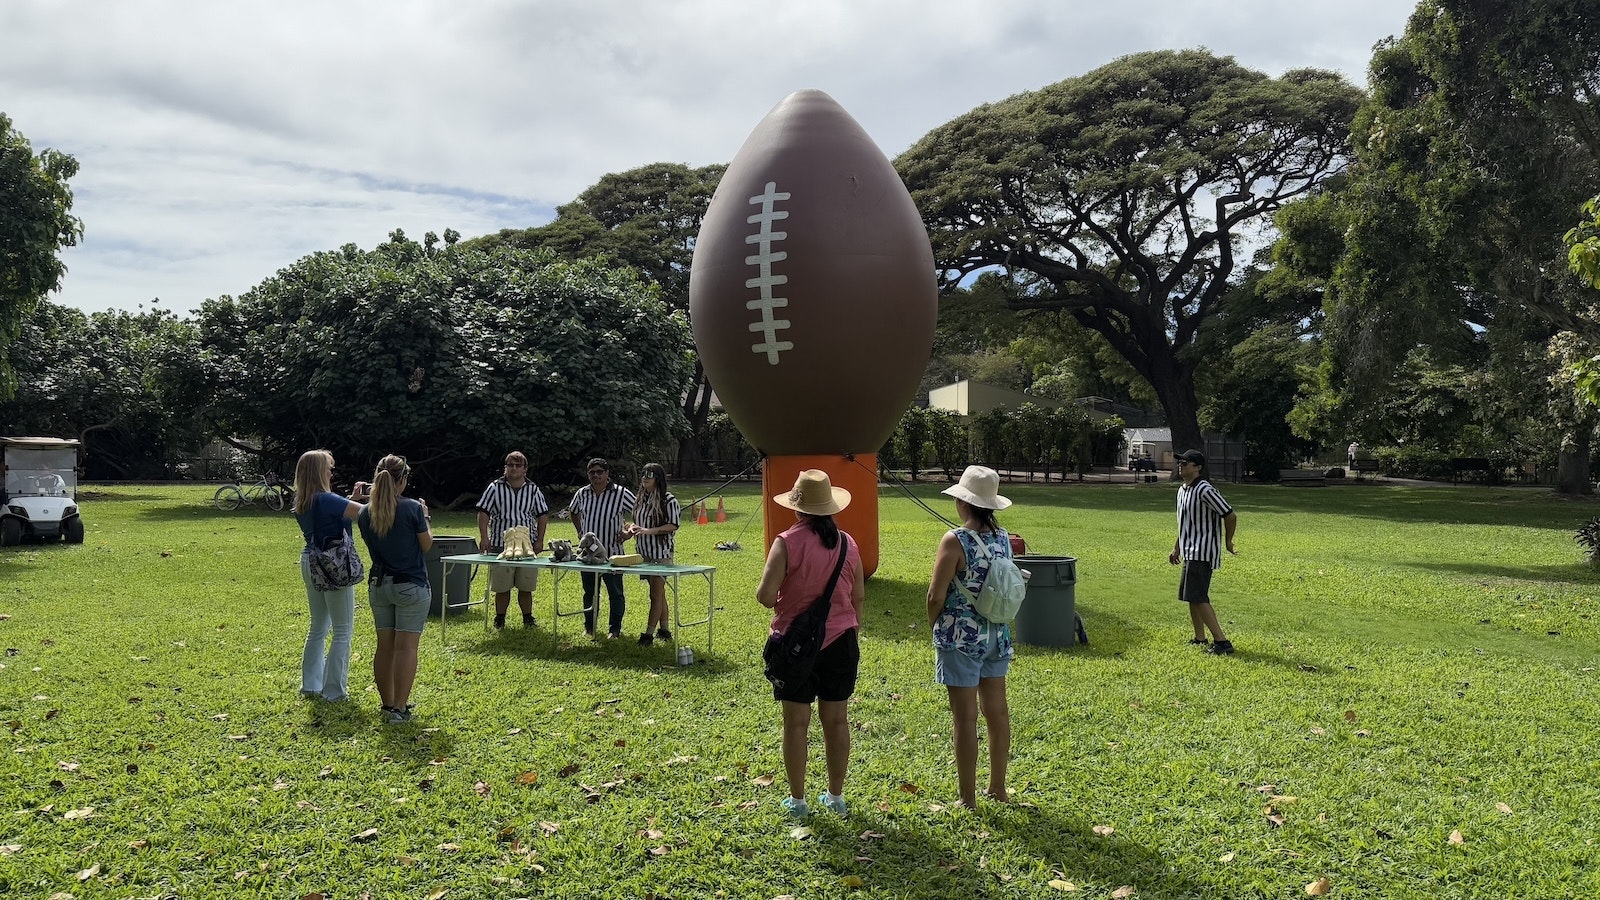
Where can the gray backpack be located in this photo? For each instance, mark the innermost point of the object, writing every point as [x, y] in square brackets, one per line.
[1004, 587]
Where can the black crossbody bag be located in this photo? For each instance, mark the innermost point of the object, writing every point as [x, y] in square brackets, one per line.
[791, 656]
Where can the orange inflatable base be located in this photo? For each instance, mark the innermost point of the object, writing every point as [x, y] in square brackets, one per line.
[857, 474]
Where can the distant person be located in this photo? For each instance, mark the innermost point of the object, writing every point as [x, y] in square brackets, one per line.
[655, 521]
[971, 654]
[799, 565]
[1205, 522]
[397, 534]
[1351, 452]
[602, 507]
[511, 501]
[324, 516]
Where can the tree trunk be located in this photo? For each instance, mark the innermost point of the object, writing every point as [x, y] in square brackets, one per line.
[1572, 466]
[1175, 389]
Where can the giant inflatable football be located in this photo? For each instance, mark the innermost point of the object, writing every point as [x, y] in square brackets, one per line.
[813, 300]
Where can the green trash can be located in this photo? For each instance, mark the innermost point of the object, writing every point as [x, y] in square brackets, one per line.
[1049, 615]
[459, 588]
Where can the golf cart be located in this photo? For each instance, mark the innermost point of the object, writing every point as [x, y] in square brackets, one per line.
[38, 490]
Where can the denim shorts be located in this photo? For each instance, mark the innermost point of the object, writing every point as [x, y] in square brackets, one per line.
[952, 668]
[400, 607]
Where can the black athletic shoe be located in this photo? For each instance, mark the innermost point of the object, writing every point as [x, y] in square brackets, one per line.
[1200, 642]
[499, 621]
[663, 634]
[527, 621]
[646, 639]
[1220, 648]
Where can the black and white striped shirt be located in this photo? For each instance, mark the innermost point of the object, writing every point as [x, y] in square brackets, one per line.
[603, 513]
[509, 507]
[655, 546]
[1201, 510]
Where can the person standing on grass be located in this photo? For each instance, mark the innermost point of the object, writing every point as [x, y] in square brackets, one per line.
[655, 520]
[508, 502]
[324, 516]
[798, 567]
[397, 534]
[971, 654]
[1205, 522]
[602, 507]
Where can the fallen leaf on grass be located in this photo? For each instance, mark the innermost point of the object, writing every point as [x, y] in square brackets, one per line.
[1456, 838]
[140, 844]
[1126, 890]
[438, 761]
[448, 847]
[680, 760]
[801, 833]
[83, 813]
[871, 836]
[1349, 715]
[365, 836]
[748, 805]
[910, 788]
[1362, 732]
[651, 834]
[549, 827]
[1318, 729]
[8, 849]
[528, 777]
[406, 860]
[237, 737]
[1104, 830]
[326, 771]
[1283, 799]
[69, 766]
[1266, 789]
[514, 731]
[660, 851]
[569, 771]
[619, 742]
[1061, 885]
[853, 882]
[436, 895]
[764, 780]
[1319, 887]
[220, 717]
[1503, 808]
[1225, 858]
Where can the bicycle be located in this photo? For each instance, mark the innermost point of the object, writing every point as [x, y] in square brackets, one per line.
[271, 490]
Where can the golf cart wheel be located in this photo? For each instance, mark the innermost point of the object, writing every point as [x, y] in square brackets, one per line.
[74, 531]
[275, 500]
[10, 532]
[228, 497]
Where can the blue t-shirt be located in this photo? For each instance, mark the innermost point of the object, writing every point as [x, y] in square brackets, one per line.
[397, 552]
[325, 518]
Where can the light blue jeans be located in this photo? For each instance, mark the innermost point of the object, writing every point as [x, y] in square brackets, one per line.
[327, 674]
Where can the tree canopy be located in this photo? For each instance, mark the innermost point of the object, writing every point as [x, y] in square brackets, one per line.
[36, 222]
[1125, 196]
[647, 218]
[450, 356]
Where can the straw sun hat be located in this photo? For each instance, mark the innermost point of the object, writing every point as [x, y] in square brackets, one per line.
[979, 486]
[814, 495]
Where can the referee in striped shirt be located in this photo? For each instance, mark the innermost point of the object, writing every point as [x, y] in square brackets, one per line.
[508, 502]
[1205, 522]
[602, 507]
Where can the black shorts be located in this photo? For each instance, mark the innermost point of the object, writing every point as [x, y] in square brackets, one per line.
[1194, 586]
[833, 677]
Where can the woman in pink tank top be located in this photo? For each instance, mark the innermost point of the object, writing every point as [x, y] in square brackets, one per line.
[798, 567]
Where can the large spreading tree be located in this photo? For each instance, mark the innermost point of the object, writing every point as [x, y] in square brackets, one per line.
[1128, 196]
[36, 222]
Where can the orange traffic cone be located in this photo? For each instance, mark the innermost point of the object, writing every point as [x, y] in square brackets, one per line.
[701, 518]
[722, 514]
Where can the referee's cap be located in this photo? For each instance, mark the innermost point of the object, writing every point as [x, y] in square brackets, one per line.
[1194, 456]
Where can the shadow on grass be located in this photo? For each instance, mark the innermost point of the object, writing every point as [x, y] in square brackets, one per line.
[578, 648]
[191, 512]
[938, 856]
[1570, 573]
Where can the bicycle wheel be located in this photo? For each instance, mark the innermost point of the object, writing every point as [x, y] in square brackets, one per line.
[275, 498]
[227, 497]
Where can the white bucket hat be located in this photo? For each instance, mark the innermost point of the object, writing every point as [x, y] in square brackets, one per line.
[814, 495]
[979, 486]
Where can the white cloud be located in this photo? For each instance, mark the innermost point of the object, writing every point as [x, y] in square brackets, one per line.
[220, 142]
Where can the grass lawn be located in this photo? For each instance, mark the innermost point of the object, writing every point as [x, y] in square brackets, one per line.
[1411, 713]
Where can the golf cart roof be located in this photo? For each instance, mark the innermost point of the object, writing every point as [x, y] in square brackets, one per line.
[40, 443]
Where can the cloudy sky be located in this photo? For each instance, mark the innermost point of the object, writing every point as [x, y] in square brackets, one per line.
[221, 141]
